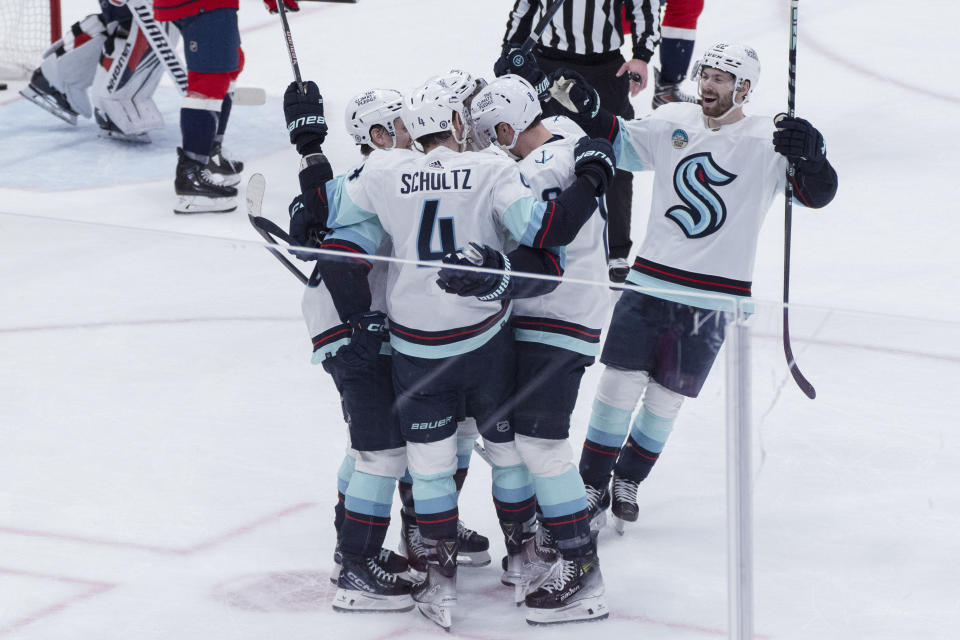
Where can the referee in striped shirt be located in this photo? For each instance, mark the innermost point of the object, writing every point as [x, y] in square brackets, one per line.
[586, 36]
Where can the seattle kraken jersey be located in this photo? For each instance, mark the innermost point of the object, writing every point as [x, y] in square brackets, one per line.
[711, 192]
[571, 316]
[327, 331]
[430, 205]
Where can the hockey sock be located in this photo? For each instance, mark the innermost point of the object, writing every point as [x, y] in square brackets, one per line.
[647, 439]
[405, 489]
[435, 498]
[617, 396]
[368, 502]
[563, 504]
[464, 453]
[339, 511]
[513, 495]
[343, 480]
[198, 127]
[675, 55]
[224, 117]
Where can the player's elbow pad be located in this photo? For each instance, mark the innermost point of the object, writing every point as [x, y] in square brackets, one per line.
[537, 261]
[816, 190]
[565, 216]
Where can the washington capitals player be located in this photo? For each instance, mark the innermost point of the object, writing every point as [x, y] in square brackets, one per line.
[429, 204]
[717, 173]
[557, 336]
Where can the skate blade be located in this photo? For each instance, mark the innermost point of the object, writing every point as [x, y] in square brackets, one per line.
[351, 601]
[49, 105]
[586, 610]
[473, 559]
[201, 204]
[133, 138]
[438, 614]
[619, 524]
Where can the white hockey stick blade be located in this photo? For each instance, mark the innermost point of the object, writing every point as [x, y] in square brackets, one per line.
[249, 96]
[256, 187]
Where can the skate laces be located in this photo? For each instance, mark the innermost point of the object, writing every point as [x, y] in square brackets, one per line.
[381, 574]
[415, 540]
[562, 573]
[464, 531]
[543, 542]
[384, 556]
[625, 490]
[594, 496]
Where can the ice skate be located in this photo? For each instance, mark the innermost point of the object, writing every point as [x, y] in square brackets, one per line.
[625, 508]
[527, 568]
[437, 595]
[412, 547]
[387, 559]
[109, 130]
[474, 547]
[224, 170]
[598, 499]
[337, 564]
[196, 190]
[364, 585]
[573, 593]
[664, 92]
[41, 93]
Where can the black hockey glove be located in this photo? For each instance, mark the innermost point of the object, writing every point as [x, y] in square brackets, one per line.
[368, 333]
[593, 158]
[524, 65]
[575, 94]
[485, 286]
[306, 228]
[304, 114]
[800, 142]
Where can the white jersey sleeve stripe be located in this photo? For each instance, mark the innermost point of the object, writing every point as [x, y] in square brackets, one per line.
[523, 219]
[343, 211]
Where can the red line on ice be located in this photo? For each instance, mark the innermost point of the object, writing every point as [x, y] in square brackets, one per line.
[92, 589]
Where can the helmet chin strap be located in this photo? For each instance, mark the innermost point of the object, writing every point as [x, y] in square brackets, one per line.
[508, 148]
[734, 105]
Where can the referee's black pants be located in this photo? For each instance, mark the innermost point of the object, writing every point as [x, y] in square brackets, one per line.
[615, 97]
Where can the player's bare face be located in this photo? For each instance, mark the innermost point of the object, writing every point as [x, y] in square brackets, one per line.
[716, 91]
[403, 139]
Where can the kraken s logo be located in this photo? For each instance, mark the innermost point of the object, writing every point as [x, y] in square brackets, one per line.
[705, 212]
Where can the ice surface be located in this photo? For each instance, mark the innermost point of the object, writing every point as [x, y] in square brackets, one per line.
[168, 454]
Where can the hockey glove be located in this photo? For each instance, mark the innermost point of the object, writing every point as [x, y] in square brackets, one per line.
[593, 158]
[306, 228]
[304, 114]
[800, 142]
[574, 94]
[368, 331]
[524, 65]
[291, 5]
[485, 286]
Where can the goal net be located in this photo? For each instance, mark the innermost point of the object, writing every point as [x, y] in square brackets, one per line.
[27, 27]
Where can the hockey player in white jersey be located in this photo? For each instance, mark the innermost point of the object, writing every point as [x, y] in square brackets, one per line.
[717, 171]
[557, 336]
[451, 350]
[357, 357]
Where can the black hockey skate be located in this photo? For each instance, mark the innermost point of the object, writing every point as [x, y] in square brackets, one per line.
[364, 585]
[572, 593]
[222, 169]
[196, 190]
[598, 499]
[625, 507]
[664, 92]
[437, 595]
[412, 546]
[387, 559]
[41, 93]
[474, 547]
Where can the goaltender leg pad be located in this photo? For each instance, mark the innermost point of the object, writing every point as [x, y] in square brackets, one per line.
[70, 64]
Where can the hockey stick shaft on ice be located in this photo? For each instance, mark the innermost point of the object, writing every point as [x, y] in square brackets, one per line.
[798, 377]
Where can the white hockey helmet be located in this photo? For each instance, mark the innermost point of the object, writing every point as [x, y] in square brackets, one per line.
[371, 108]
[737, 59]
[430, 107]
[509, 99]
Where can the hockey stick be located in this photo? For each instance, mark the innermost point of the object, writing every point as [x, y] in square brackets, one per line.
[801, 381]
[143, 13]
[256, 187]
[291, 51]
[534, 36]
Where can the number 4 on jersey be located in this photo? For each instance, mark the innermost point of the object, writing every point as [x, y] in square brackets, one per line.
[429, 220]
